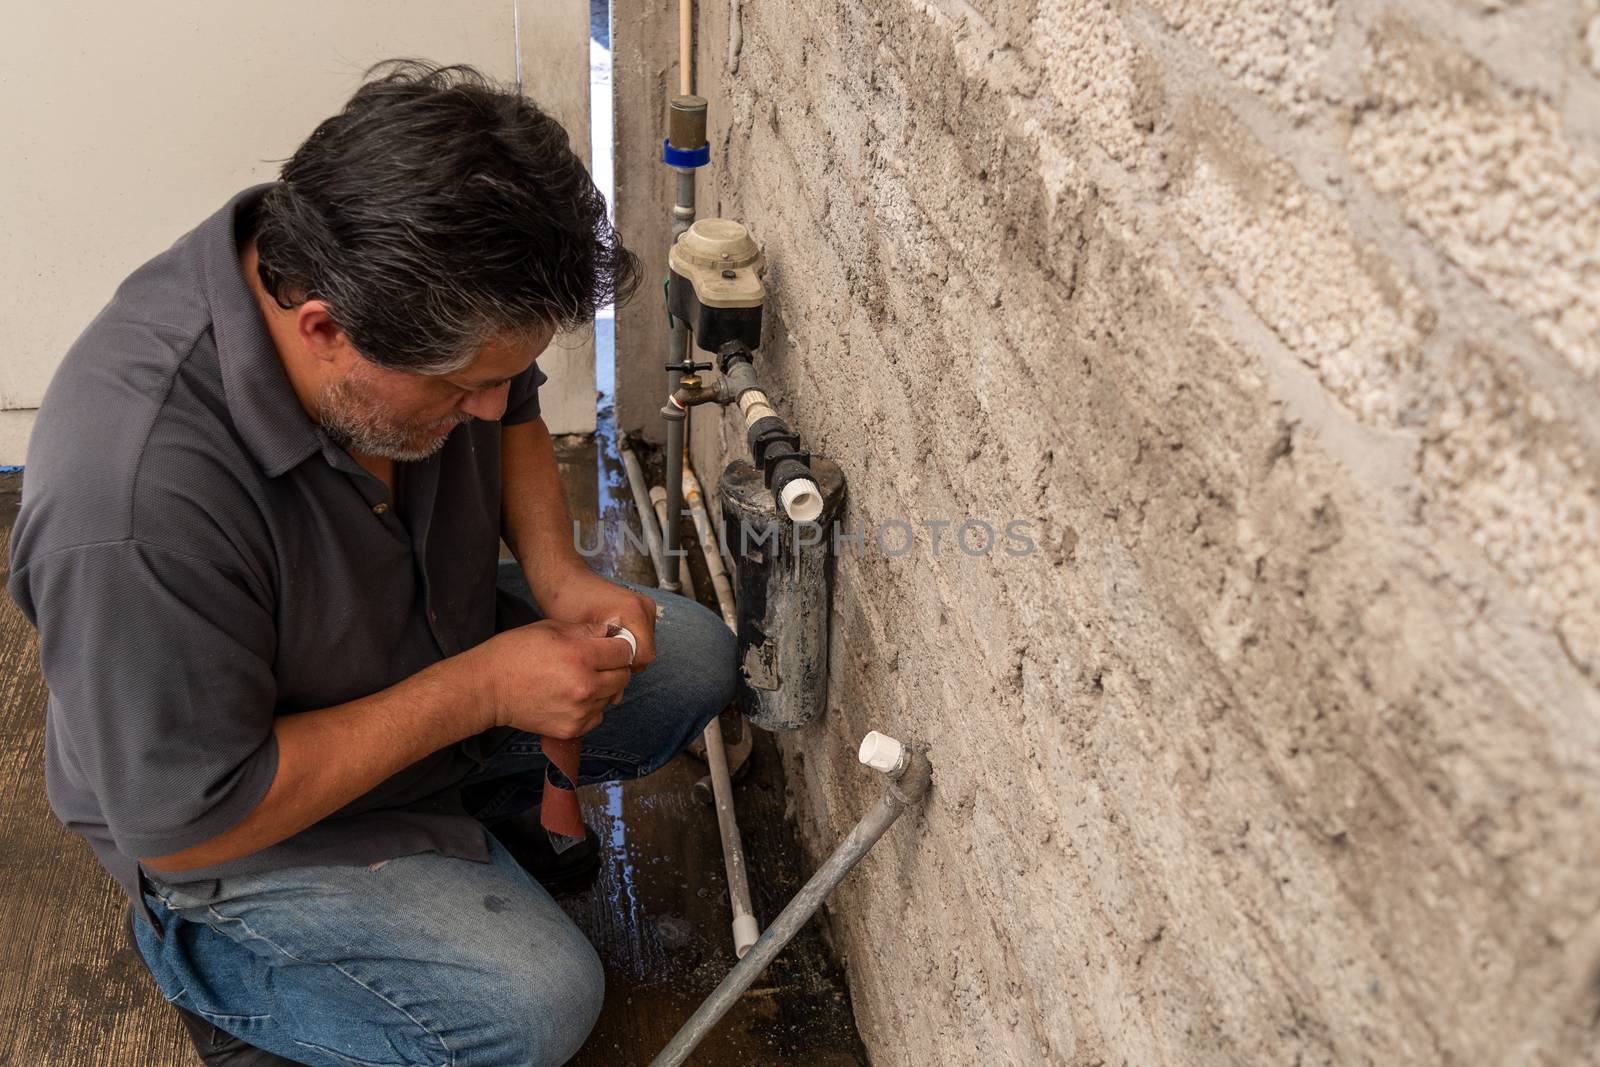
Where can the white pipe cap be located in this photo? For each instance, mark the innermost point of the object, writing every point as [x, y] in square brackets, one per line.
[745, 934]
[881, 752]
[802, 500]
[626, 635]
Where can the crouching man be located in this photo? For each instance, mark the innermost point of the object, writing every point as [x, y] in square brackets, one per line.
[296, 703]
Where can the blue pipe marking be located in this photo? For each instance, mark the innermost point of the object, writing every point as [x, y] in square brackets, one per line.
[685, 157]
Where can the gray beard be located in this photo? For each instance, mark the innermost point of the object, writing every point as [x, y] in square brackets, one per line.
[349, 416]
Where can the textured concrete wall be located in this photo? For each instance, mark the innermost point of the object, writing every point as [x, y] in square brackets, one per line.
[1280, 320]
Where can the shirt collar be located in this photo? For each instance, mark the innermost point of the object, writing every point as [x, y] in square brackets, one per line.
[261, 401]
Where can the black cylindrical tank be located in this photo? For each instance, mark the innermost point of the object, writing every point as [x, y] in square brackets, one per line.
[783, 584]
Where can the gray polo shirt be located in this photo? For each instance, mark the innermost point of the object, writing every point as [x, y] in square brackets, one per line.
[199, 558]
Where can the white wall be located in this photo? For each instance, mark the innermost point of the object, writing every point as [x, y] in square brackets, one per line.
[124, 125]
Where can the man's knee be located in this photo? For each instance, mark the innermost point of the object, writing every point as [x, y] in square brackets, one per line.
[717, 656]
[705, 647]
[538, 1016]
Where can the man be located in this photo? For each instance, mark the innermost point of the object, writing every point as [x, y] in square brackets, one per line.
[259, 538]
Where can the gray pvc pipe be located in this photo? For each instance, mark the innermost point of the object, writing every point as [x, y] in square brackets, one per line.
[677, 421]
[647, 513]
[683, 210]
[907, 790]
[677, 418]
[745, 927]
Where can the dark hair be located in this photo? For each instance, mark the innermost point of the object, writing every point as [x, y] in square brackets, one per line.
[436, 210]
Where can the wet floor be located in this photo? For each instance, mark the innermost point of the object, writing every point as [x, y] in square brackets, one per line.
[72, 994]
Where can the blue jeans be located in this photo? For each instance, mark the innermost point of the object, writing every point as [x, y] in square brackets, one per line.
[426, 959]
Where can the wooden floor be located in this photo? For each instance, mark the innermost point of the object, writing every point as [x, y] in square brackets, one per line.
[72, 994]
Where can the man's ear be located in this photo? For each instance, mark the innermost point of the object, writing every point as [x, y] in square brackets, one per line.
[321, 336]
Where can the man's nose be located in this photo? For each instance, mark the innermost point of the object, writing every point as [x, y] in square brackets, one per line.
[487, 404]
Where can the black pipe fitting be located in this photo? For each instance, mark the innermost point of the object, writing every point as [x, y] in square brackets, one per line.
[776, 450]
[733, 352]
[787, 469]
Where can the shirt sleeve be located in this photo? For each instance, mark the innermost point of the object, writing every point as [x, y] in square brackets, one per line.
[523, 403]
[161, 689]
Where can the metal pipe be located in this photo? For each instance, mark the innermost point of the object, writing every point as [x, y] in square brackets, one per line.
[658, 504]
[676, 419]
[745, 927]
[684, 206]
[647, 514]
[686, 123]
[907, 785]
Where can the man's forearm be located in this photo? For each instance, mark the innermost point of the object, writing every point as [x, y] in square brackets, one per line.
[534, 517]
[328, 758]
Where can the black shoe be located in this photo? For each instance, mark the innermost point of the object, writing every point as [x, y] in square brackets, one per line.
[217, 1047]
[569, 871]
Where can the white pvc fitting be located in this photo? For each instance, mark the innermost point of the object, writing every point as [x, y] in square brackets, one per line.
[882, 752]
[754, 406]
[627, 635]
[745, 933]
[802, 500]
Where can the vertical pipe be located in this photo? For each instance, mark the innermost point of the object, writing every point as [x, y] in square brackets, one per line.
[647, 513]
[745, 927]
[683, 210]
[677, 418]
[677, 423]
[686, 130]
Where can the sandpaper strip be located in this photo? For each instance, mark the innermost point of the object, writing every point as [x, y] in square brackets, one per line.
[559, 811]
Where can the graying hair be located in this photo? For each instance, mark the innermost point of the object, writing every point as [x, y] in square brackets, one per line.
[436, 211]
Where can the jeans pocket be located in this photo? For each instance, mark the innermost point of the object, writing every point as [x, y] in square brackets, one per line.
[234, 1023]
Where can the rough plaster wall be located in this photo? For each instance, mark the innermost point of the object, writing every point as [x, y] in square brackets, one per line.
[1279, 321]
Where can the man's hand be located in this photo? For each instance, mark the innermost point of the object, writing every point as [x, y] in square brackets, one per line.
[535, 523]
[552, 678]
[584, 596]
